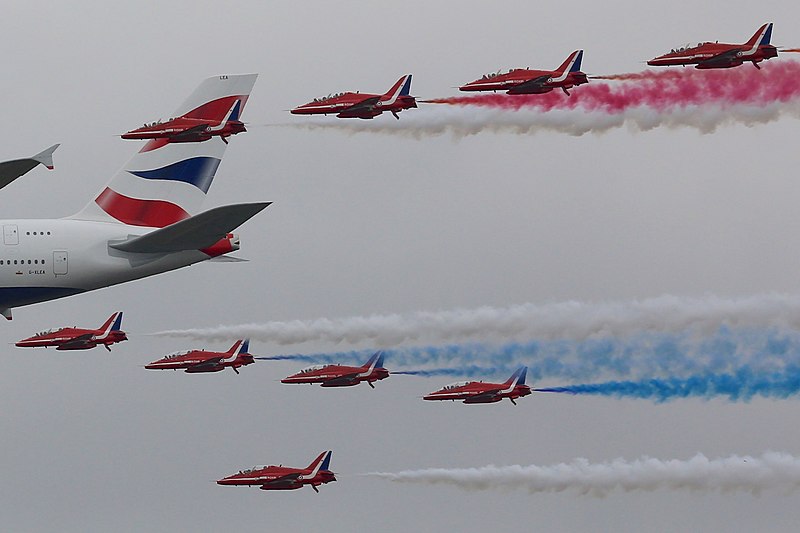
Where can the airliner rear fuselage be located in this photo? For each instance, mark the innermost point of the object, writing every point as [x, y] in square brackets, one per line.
[46, 259]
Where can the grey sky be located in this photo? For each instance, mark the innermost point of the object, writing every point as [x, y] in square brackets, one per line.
[377, 224]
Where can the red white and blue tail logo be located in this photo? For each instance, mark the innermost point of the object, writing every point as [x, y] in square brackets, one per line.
[167, 182]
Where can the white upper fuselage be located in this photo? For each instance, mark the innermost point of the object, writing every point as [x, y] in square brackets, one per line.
[50, 258]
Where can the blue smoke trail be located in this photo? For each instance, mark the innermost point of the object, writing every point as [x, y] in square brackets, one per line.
[645, 354]
[741, 385]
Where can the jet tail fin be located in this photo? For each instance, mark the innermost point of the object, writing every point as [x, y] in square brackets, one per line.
[194, 233]
[572, 63]
[518, 377]
[376, 361]
[233, 349]
[322, 462]
[401, 88]
[114, 323]
[761, 37]
[245, 347]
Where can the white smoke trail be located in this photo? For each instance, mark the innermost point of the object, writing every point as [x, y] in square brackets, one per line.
[731, 474]
[570, 320]
[465, 120]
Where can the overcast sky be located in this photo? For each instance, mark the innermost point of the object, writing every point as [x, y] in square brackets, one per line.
[371, 223]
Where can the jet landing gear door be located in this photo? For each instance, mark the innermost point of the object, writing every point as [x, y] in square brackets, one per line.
[10, 234]
[60, 265]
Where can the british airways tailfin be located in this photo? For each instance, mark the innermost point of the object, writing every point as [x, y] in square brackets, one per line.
[166, 182]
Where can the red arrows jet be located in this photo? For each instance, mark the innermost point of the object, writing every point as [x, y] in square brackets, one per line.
[362, 105]
[78, 338]
[195, 126]
[285, 478]
[527, 81]
[721, 55]
[483, 392]
[196, 361]
[342, 376]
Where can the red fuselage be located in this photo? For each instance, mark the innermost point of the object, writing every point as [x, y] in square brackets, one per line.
[73, 339]
[184, 129]
[338, 375]
[354, 105]
[479, 392]
[196, 361]
[279, 478]
[715, 55]
[526, 81]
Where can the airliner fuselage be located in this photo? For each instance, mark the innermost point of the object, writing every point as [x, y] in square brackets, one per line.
[51, 258]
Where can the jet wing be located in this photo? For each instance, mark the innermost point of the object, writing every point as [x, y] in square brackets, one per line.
[489, 396]
[78, 343]
[365, 108]
[289, 481]
[11, 170]
[341, 381]
[193, 233]
[191, 132]
[723, 59]
[535, 85]
[208, 364]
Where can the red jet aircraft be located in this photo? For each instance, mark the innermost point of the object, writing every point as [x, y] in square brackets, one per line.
[192, 128]
[483, 392]
[196, 361]
[362, 105]
[78, 338]
[342, 376]
[721, 55]
[285, 478]
[527, 81]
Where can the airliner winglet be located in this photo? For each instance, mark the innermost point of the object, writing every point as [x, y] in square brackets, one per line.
[11, 170]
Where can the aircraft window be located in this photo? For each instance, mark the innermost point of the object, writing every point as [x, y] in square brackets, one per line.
[455, 385]
[15, 261]
[27, 233]
[313, 368]
[48, 233]
[30, 262]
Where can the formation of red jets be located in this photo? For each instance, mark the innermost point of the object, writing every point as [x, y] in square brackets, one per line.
[705, 55]
[332, 375]
[191, 128]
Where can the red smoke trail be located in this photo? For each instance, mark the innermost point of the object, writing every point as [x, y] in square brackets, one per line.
[662, 90]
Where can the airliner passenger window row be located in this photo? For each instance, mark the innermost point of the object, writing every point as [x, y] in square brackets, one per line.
[37, 233]
[22, 262]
